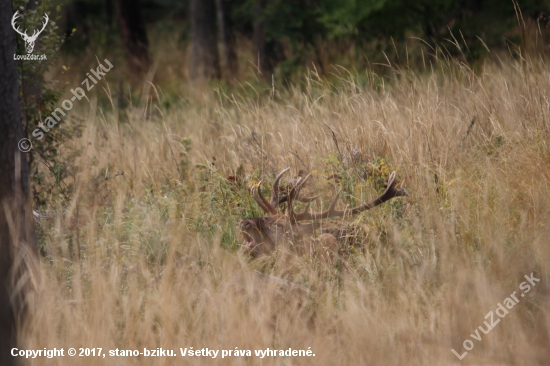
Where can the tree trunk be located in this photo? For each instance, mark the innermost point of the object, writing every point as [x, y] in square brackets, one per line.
[264, 52]
[227, 39]
[16, 225]
[134, 35]
[205, 63]
[30, 85]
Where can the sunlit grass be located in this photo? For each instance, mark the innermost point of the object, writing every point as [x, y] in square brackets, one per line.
[150, 258]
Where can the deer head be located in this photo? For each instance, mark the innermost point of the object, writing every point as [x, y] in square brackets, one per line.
[262, 235]
[29, 40]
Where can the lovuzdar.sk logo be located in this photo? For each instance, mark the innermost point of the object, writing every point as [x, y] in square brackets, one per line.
[29, 40]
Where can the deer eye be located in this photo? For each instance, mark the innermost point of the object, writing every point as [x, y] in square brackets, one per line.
[246, 225]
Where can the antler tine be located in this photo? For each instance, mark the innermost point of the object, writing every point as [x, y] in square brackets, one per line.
[294, 192]
[299, 199]
[261, 201]
[36, 32]
[276, 200]
[271, 207]
[275, 189]
[331, 212]
[15, 17]
[47, 19]
[388, 194]
[307, 199]
[311, 199]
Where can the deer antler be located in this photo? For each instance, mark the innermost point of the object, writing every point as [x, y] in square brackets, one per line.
[271, 207]
[388, 194]
[29, 40]
[37, 32]
[47, 19]
[265, 234]
[15, 16]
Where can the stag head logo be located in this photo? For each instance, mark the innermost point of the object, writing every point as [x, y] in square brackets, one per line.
[29, 40]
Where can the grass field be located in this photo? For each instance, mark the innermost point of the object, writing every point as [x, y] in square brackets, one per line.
[150, 257]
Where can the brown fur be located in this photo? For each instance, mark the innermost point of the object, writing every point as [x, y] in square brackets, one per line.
[263, 235]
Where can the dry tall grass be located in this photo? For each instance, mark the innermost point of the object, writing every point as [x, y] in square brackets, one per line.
[149, 258]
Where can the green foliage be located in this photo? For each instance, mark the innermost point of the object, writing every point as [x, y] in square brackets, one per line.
[323, 32]
[342, 18]
[49, 173]
[436, 21]
[306, 22]
[37, 95]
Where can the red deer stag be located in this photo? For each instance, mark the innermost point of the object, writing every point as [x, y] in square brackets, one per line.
[263, 235]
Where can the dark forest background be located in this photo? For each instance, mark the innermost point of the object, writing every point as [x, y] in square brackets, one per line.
[160, 159]
[229, 39]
